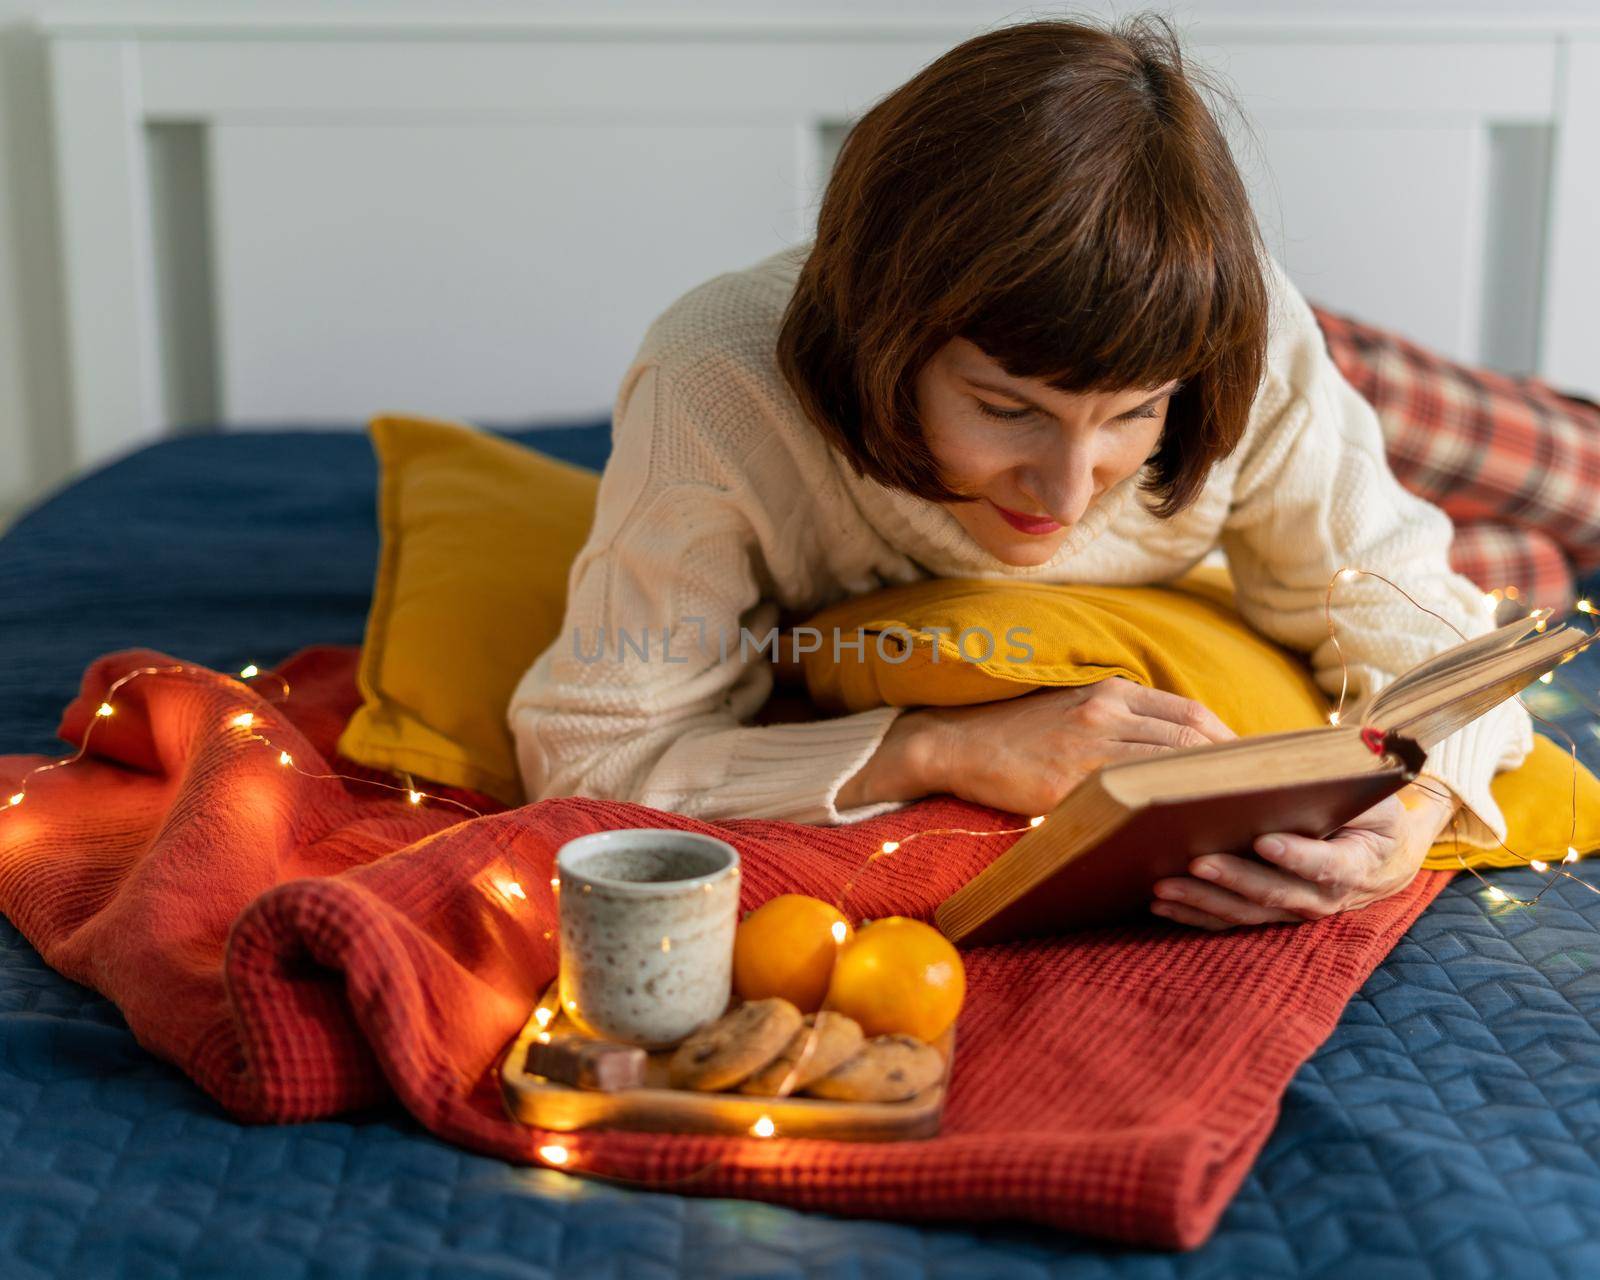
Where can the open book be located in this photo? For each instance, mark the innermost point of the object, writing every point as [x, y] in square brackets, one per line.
[1096, 857]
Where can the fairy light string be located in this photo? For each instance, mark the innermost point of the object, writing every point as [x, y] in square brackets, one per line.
[560, 1155]
[103, 712]
[1374, 738]
[245, 720]
[1541, 620]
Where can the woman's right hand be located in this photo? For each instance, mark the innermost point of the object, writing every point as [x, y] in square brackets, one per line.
[1023, 755]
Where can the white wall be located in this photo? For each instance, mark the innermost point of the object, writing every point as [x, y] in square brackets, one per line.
[32, 376]
[35, 451]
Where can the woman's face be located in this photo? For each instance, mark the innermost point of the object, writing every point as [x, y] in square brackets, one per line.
[1034, 457]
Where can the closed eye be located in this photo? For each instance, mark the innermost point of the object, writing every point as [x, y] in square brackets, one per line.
[1151, 408]
[1004, 415]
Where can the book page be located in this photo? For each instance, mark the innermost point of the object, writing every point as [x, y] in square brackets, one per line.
[1453, 660]
[1438, 706]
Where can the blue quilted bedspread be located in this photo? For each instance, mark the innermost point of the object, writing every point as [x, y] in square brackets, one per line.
[1450, 1126]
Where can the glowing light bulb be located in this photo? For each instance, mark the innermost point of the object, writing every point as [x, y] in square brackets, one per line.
[1572, 855]
[415, 797]
[543, 1037]
[542, 1016]
[1034, 822]
[840, 930]
[1547, 677]
[1496, 893]
[889, 846]
[1540, 867]
[250, 672]
[1540, 625]
[284, 758]
[763, 1128]
[514, 890]
[1333, 717]
[15, 800]
[553, 1153]
[104, 709]
[1583, 606]
[243, 720]
[666, 944]
[1347, 574]
[555, 882]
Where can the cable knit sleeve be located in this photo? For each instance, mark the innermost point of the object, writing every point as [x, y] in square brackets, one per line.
[1313, 493]
[644, 695]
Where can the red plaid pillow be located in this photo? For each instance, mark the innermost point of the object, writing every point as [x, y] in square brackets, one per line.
[1512, 461]
[1523, 565]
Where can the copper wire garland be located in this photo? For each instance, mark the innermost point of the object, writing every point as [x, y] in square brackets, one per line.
[559, 1156]
[1495, 893]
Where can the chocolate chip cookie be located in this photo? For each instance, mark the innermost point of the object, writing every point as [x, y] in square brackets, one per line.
[888, 1069]
[735, 1046]
[825, 1040]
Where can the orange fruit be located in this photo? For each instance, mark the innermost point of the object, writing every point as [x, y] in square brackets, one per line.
[899, 976]
[785, 947]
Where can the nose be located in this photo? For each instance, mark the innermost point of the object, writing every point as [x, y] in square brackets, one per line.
[1064, 490]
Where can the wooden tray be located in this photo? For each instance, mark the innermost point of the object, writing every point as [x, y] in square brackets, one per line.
[545, 1104]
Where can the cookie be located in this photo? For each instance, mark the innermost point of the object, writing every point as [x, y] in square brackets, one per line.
[825, 1040]
[736, 1045]
[888, 1069]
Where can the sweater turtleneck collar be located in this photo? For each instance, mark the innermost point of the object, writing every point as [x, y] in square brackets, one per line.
[930, 535]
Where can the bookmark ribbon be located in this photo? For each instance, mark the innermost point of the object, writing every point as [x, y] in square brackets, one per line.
[1409, 753]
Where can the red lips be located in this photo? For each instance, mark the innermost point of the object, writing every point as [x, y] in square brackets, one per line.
[1026, 523]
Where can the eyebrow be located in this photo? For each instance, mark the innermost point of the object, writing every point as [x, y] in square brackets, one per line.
[1171, 389]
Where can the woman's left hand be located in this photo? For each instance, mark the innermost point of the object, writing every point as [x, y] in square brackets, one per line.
[1373, 855]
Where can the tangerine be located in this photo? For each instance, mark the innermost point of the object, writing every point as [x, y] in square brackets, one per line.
[899, 976]
[786, 947]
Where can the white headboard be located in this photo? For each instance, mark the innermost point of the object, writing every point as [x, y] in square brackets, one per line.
[271, 222]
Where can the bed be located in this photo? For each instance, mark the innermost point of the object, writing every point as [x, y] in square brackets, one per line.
[1451, 1124]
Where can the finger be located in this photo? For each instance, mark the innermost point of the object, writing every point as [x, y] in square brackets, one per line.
[1180, 914]
[1118, 749]
[1178, 709]
[1167, 734]
[1219, 902]
[1268, 886]
[1322, 862]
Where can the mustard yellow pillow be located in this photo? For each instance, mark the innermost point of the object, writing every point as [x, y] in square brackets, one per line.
[477, 537]
[953, 642]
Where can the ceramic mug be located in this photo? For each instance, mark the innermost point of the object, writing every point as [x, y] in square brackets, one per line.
[647, 923]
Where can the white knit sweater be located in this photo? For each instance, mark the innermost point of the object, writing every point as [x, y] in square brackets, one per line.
[721, 503]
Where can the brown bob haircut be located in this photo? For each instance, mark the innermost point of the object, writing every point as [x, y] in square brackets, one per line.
[1058, 194]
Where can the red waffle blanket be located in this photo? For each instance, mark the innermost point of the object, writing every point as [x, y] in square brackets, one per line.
[301, 946]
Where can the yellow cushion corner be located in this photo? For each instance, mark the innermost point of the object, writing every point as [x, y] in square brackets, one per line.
[1533, 797]
[477, 537]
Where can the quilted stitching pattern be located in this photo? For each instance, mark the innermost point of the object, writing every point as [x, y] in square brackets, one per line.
[1449, 1127]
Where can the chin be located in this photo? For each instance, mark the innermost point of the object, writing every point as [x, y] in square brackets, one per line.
[1021, 551]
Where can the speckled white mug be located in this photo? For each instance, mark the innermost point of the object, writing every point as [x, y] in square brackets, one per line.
[647, 923]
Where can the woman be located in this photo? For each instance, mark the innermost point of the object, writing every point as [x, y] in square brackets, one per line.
[1037, 298]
